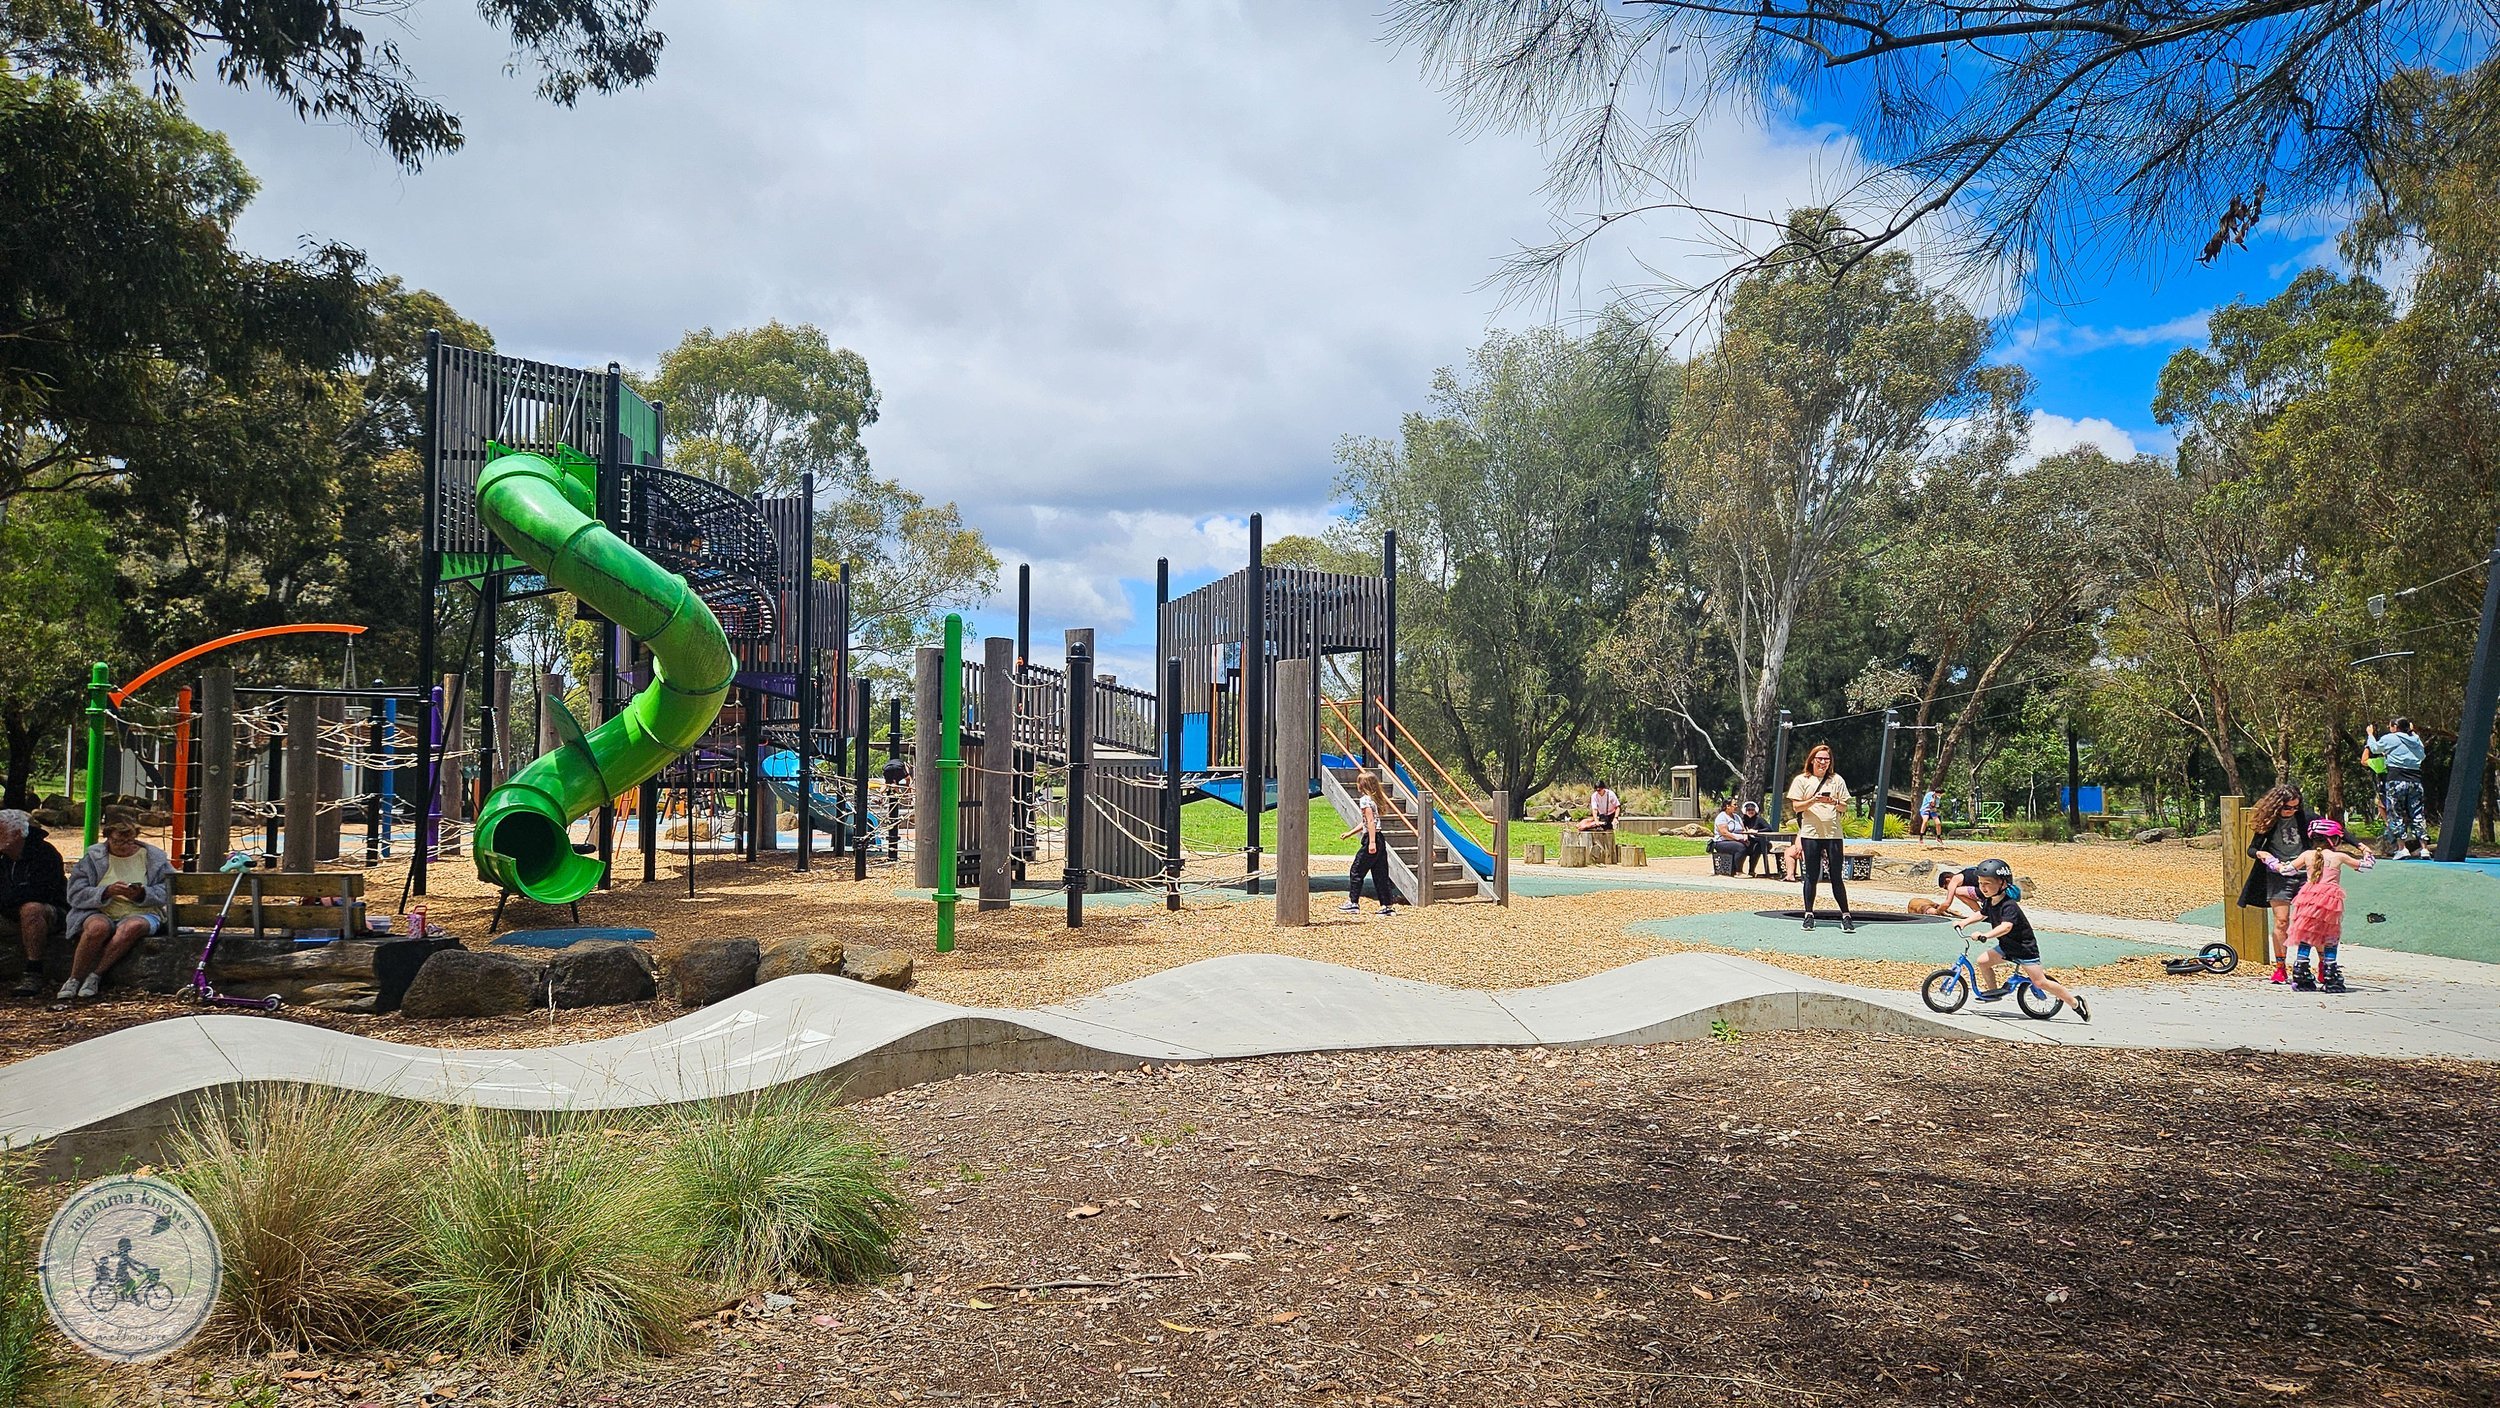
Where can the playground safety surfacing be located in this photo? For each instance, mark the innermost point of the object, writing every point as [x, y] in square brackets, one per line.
[1933, 944]
[2441, 910]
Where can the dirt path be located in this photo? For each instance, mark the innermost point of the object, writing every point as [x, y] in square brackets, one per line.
[1799, 1219]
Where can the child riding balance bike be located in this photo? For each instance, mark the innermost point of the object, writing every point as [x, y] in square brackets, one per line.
[2011, 940]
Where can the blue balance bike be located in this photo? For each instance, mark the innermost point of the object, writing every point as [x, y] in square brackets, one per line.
[1947, 989]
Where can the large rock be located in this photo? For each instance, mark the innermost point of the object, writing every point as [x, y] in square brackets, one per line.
[458, 983]
[794, 954]
[884, 967]
[714, 970]
[602, 973]
[2149, 836]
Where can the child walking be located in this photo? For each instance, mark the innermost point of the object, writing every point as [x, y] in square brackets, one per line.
[1371, 854]
[2318, 910]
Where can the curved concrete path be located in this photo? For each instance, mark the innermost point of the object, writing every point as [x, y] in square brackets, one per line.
[107, 1101]
[111, 1099]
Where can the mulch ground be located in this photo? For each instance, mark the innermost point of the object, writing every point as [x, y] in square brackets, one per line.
[1778, 1219]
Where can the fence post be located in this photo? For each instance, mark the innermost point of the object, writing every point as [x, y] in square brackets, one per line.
[1080, 766]
[2243, 929]
[1501, 849]
[1296, 721]
[996, 788]
[302, 851]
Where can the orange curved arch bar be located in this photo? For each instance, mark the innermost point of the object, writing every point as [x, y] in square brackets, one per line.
[175, 662]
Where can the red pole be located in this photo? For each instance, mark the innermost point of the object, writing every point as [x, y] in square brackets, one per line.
[182, 770]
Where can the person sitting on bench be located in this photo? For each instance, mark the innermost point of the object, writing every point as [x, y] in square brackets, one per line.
[118, 893]
[1728, 838]
[34, 891]
[1757, 838]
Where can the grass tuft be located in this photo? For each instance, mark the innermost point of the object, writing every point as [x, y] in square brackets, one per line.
[32, 1368]
[553, 1244]
[310, 1190]
[775, 1185]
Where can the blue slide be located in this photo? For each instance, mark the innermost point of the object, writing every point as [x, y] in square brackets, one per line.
[1228, 789]
[831, 809]
[1473, 856]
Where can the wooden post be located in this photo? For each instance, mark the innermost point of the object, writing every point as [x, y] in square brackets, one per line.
[450, 787]
[330, 783]
[1297, 721]
[216, 799]
[1427, 847]
[929, 667]
[550, 698]
[2243, 929]
[1501, 849]
[996, 785]
[498, 766]
[303, 781]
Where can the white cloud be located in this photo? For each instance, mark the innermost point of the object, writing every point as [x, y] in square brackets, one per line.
[2053, 434]
[2046, 339]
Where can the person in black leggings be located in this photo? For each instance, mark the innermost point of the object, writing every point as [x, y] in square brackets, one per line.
[1820, 798]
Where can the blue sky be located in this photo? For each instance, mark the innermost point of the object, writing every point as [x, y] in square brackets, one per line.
[1125, 273]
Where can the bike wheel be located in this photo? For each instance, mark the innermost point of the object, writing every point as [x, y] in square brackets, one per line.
[160, 1297]
[2036, 1004]
[2219, 957]
[102, 1299]
[1944, 990]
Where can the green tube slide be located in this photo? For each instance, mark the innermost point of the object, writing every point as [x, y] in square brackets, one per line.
[542, 510]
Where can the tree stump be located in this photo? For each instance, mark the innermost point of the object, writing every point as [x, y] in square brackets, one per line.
[1635, 856]
[1603, 848]
[1576, 849]
[1533, 853]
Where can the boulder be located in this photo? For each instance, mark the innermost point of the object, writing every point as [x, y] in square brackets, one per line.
[880, 967]
[794, 954]
[2148, 837]
[396, 963]
[459, 983]
[602, 973]
[714, 970]
[337, 997]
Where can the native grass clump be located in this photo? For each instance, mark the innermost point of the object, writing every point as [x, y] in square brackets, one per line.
[778, 1184]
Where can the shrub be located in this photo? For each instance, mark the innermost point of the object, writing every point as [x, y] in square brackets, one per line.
[774, 1184]
[32, 1369]
[311, 1191]
[553, 1244]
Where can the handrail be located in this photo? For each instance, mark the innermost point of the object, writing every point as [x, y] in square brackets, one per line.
[1449, 781]
[1356, 735]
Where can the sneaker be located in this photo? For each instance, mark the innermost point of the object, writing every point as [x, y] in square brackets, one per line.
[2301, 979]
[1388, 912]
[68, 992]
[31, 985]
[94, 983]
[1809, 921]
[1848, 924]
[2331, 978]
[1349, 907]
[2083, 1009]
[1991, 994]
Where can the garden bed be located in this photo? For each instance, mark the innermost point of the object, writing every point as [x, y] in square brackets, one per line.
[1790, 1219]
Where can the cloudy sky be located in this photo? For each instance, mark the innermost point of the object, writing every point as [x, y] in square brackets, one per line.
[1124, 272]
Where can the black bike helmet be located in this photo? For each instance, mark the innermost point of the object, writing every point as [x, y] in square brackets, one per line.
[1994, 870]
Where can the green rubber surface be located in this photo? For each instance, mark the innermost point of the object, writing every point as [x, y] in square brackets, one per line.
[1930, 944]
[2445, 911]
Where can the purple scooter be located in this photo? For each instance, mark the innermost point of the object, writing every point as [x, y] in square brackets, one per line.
[201, 991]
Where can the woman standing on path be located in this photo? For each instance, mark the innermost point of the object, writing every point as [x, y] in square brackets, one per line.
[1820, 797]
[2278, 832]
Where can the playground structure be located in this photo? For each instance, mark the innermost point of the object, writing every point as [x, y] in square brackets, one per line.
[1276, 683]
[714, 637]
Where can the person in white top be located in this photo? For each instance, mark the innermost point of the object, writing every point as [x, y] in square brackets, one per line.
[1371, 854]
[1603, 806]
[1820, 798]
[1728, 837]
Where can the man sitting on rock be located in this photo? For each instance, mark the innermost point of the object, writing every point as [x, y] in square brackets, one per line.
[117, 896]
[34, 892]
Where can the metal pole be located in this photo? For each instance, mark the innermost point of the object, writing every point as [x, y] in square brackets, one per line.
[1080, 761]
[1883, 773]
[2074, 783]
[1779, 770]
[928, 663]
[99, 689]
[430, 557]
[950, 762]
[893, 805]
[804, 685]
[1172, 783]
[2482, 699]
[859, 791]
[1254, 700]
[1024, 613]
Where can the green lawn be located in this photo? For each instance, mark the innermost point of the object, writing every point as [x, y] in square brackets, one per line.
[1213, 826]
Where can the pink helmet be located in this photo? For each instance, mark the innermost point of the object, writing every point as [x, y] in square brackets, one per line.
[2327, 828]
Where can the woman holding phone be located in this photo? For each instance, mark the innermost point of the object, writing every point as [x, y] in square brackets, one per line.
[1820, 798]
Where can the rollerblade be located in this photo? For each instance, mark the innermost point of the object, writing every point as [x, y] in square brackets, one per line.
[2331, 977]
[2301, 979]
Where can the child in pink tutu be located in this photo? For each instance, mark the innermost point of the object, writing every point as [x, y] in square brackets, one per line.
[2318, 910]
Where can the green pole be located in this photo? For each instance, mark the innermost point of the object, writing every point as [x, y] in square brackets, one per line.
[99, 688]
[950, 763]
